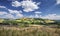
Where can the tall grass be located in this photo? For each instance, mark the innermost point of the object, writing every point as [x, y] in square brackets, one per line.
[27, 32]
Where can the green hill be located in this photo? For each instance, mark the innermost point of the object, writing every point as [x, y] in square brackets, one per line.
[28, 21]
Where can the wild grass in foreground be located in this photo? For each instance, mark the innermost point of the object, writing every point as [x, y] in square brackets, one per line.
[29, 31]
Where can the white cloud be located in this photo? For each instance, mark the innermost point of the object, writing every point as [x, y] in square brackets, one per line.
[16, 4]
[14, 11]
[10, 16]
[3, 13]
[18, 14]
[51, 16]
[37, 12]
[29, 6]
[2, 7]
[38, 3]
[34, 16]
[37, 15]
[26, 5]
[31, 16]
[58, 2]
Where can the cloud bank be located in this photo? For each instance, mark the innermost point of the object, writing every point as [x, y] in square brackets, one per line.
[11, 14]
[27, 5]
[51, 16]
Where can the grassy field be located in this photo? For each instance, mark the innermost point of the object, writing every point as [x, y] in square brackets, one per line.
[29, 27]
[39, 30]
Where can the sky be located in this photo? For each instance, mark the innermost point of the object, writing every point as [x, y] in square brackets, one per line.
[46, 9]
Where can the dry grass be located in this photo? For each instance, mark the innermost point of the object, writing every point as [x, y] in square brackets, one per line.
[29, 31]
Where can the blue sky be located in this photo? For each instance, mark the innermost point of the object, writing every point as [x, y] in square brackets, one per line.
[46, 9]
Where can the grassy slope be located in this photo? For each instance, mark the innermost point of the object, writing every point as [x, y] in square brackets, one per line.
[38, 30]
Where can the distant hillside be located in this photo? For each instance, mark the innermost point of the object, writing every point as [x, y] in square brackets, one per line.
[28, 21]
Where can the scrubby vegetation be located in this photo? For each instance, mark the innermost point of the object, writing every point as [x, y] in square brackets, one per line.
[24, 22]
